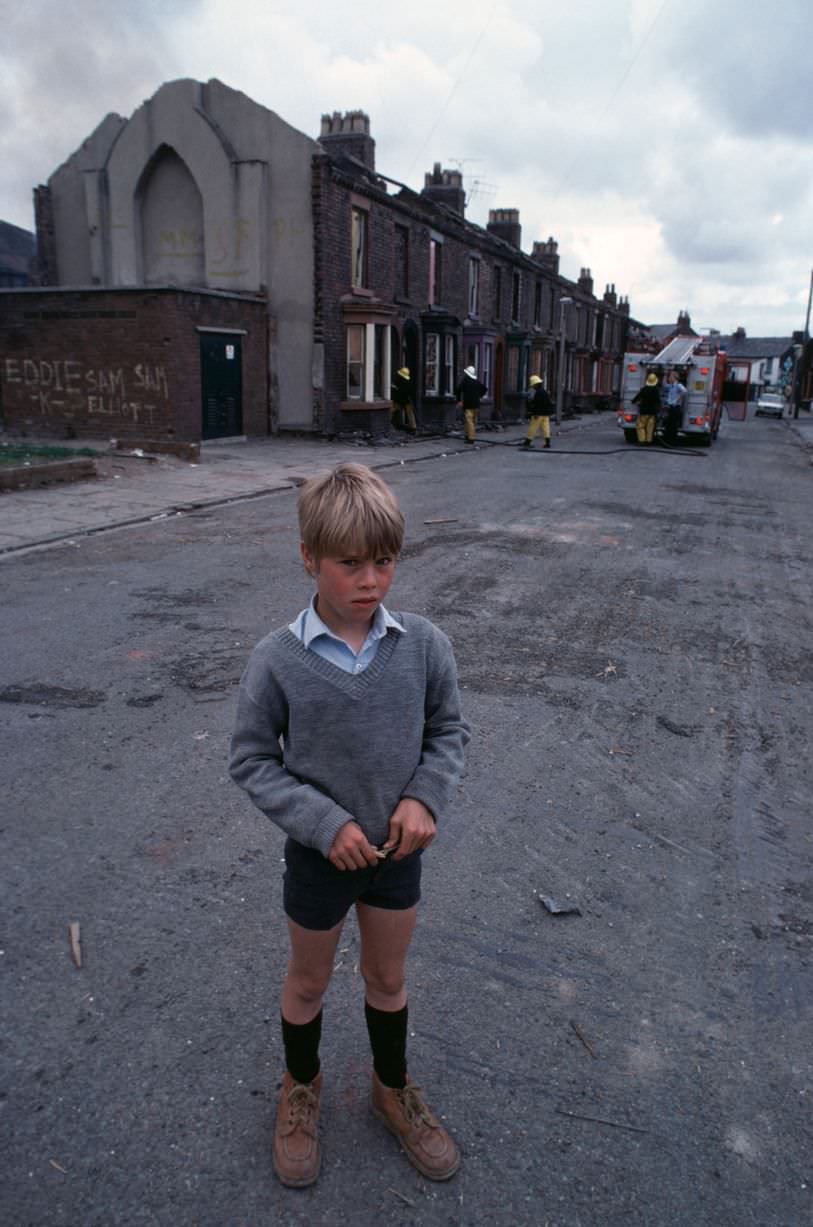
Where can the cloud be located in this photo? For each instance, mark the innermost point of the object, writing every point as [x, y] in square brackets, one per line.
[67, 64]
[655, 141]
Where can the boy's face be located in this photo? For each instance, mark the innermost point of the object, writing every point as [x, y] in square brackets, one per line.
[349, 588]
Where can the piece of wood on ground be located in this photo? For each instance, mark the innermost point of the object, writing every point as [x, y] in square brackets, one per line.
[76, 943]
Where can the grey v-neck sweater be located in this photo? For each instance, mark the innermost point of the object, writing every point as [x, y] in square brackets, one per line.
[314, 746]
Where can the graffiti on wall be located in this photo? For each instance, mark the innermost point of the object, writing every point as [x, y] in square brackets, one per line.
[68, 386]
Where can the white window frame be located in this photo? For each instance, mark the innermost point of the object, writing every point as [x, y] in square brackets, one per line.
[368, 352]
[487, 352]
[359, 246]
[358, 362]
[474, 288]
[448, 362]
[431, 364]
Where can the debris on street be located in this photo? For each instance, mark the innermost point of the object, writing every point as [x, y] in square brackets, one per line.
[557, 908]
[578, 1031]
[600, 1120]
[76, 944]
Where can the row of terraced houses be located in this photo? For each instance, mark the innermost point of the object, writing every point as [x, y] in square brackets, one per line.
[207, 271]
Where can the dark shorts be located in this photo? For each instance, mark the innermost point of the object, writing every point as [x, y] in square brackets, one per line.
[317, 895]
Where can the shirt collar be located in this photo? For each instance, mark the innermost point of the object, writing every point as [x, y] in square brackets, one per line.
[313, 626]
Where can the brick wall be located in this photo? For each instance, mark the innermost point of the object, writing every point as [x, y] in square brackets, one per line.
[121, 363]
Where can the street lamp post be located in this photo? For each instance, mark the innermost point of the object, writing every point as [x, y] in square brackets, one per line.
[564, 303]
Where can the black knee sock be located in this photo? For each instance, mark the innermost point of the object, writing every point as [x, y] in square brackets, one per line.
[388, 1035]
[302, 1048]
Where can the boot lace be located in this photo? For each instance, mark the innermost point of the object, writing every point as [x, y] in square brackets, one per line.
[302, 1106]
[415, 1110]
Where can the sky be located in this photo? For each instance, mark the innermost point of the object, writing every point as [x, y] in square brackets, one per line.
[667, 145]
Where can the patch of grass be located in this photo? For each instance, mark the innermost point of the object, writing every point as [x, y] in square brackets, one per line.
[19, 453]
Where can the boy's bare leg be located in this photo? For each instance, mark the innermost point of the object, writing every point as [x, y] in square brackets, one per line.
[313, 952]
[296, 1152]
[385, 940]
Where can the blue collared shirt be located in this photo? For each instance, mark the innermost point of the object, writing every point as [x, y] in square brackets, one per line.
[311, 630]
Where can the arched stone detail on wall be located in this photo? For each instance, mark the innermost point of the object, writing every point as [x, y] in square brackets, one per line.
[170, 229]
[173, 118]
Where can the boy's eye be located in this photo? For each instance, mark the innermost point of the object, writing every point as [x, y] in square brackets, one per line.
[383, 562]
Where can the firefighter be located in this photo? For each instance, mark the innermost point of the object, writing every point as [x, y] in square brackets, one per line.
[403, 411]
[540, 408]
[648, 398]
[468, 396]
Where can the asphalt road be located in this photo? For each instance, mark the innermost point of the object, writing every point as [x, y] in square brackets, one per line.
[633, 634]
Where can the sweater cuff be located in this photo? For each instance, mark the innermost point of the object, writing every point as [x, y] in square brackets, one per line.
[427, 796]
[329, 828]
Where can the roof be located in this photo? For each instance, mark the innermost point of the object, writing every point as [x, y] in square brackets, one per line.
[16, 248]
[755, 347]
[662, 331]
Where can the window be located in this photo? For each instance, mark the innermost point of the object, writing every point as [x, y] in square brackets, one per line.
[355, 361]
[359, 245]
[368, 362]
[474, 287]
[431, 367]
[401, 262]
[473, 355]
[516, 294]
[448, 363]
[381, 390]
[497, 293]
[488, 352]
[435, 272]
[513, 367]
[537, 307]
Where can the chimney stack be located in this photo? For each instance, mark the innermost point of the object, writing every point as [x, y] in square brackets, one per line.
[610, 295]
[585, 281]
[349, 135]
[445, 187]
[504, 224]
[547, 254]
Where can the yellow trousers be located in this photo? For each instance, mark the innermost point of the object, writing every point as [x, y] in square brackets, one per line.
[470, 418]
[408, 415]
[533, 427]
[645, 427]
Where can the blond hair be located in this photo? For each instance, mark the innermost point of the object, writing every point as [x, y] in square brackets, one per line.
[350, 511]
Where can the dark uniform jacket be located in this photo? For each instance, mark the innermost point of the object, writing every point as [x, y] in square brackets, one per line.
[540, 404]
[401, 390]
[648, 398]
[470, 392]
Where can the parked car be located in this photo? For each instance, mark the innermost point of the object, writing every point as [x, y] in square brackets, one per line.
[770, 405]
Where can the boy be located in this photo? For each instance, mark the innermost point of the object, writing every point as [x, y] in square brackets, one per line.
[349, 736]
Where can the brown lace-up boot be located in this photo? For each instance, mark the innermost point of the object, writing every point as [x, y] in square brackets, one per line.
[427, 1144]
[296, 1138]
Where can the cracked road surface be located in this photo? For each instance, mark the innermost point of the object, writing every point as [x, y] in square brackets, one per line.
[633, 634]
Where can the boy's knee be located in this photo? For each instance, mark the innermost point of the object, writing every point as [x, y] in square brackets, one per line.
[387, 981]
[309, 987]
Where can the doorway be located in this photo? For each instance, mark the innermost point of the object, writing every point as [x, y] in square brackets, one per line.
[221, 385]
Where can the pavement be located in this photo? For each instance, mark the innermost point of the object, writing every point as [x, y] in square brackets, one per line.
[133, 488]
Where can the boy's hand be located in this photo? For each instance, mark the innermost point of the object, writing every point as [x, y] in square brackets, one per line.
[411, 827]
[351, 850]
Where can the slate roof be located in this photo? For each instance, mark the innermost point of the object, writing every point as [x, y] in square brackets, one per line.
[755, 347]
[16, 248]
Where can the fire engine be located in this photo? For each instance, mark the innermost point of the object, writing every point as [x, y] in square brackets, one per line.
[701, 368]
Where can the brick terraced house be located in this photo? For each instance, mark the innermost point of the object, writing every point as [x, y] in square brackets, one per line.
[208, 271]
